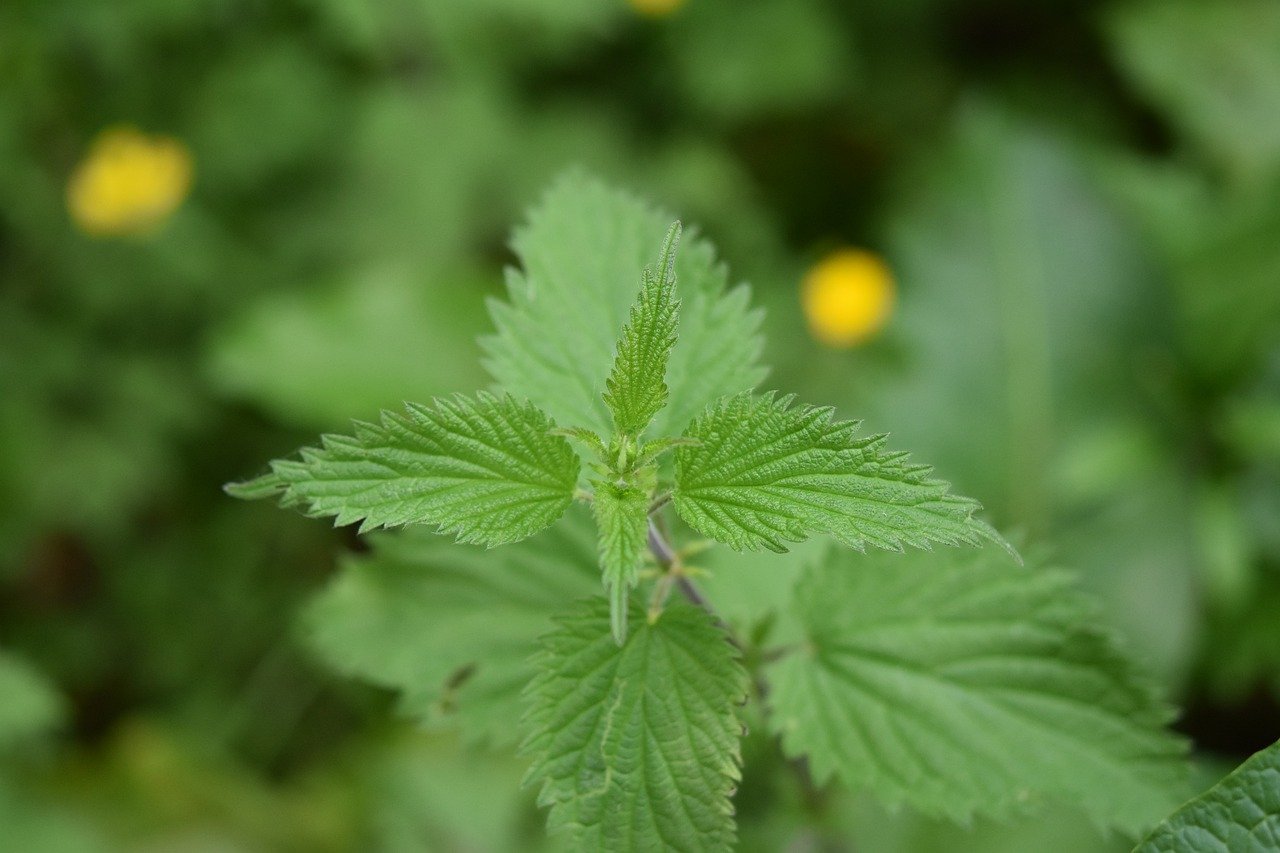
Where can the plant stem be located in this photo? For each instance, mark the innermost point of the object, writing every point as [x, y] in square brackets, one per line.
[691, 592]
[666, 556]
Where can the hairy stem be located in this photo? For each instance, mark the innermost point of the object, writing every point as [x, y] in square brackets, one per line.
[662, 552]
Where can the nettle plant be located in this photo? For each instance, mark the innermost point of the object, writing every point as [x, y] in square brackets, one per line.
[957, 681]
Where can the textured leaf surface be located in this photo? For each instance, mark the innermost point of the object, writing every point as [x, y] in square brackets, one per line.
[1241, 814]
[765, 473]
[582, 253]
[637, 747]
[485, 469]
[622, 516]
[960, 683]
[636, 387]
[452, 626]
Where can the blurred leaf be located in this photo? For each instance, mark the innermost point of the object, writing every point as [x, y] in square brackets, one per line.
[1021, 293]
[88, 429]
[1241, 645]
[746, 589]
[30, 705]
[1252, 426]
[152, 786]
[453, 626]
[1215, 67]
[423, 162]
[377, 339]
[1227, 548]
[489, 33]
[1135, 547]
[273, 110]
[1050, 830]
[33, 825]
[1032, 331]
[1221, 253]
[743, 60]
[431, 792]
[962, 684]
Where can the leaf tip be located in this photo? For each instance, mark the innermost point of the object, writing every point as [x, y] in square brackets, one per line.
[267, 486]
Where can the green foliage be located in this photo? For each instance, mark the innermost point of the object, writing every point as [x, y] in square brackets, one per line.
[1240, 813]
[763, 473]
[1086, 247]
[633, 725]
[636, 388]
[581, 251]
[636, 746]
[366, 343]
[962, 683]
[1215, 67]
[486, 469]
[622, 514]
[1030, 382]
[451, 626]
[30, 705]
[715, 47]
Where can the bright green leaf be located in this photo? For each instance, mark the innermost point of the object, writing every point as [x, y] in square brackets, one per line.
[637, 747]
[452, 626]
[486, 469]
[960, 683]
[636, 387]
[582, 253]
[622, 516]
[1241, 814]
[765, 473]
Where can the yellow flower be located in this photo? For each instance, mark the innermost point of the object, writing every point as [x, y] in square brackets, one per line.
[128, 183]
[847, 297]
[656, 8]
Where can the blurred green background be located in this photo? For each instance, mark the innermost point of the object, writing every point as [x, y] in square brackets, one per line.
[226, 225]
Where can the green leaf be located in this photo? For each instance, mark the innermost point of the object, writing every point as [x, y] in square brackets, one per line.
[29, 705]
[637, 747]
[1215, 68]
[1026, 290]
[959, 683]
[764, 474]
[487, 470]
[1241, 813]
[636, 387]
[433, 791]
[452, 626]
[320, 357]
[582, 252]
[713, 46]
[622, 516]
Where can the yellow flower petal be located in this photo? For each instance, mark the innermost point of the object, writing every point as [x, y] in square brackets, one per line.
[847, 297]
[128, 183]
